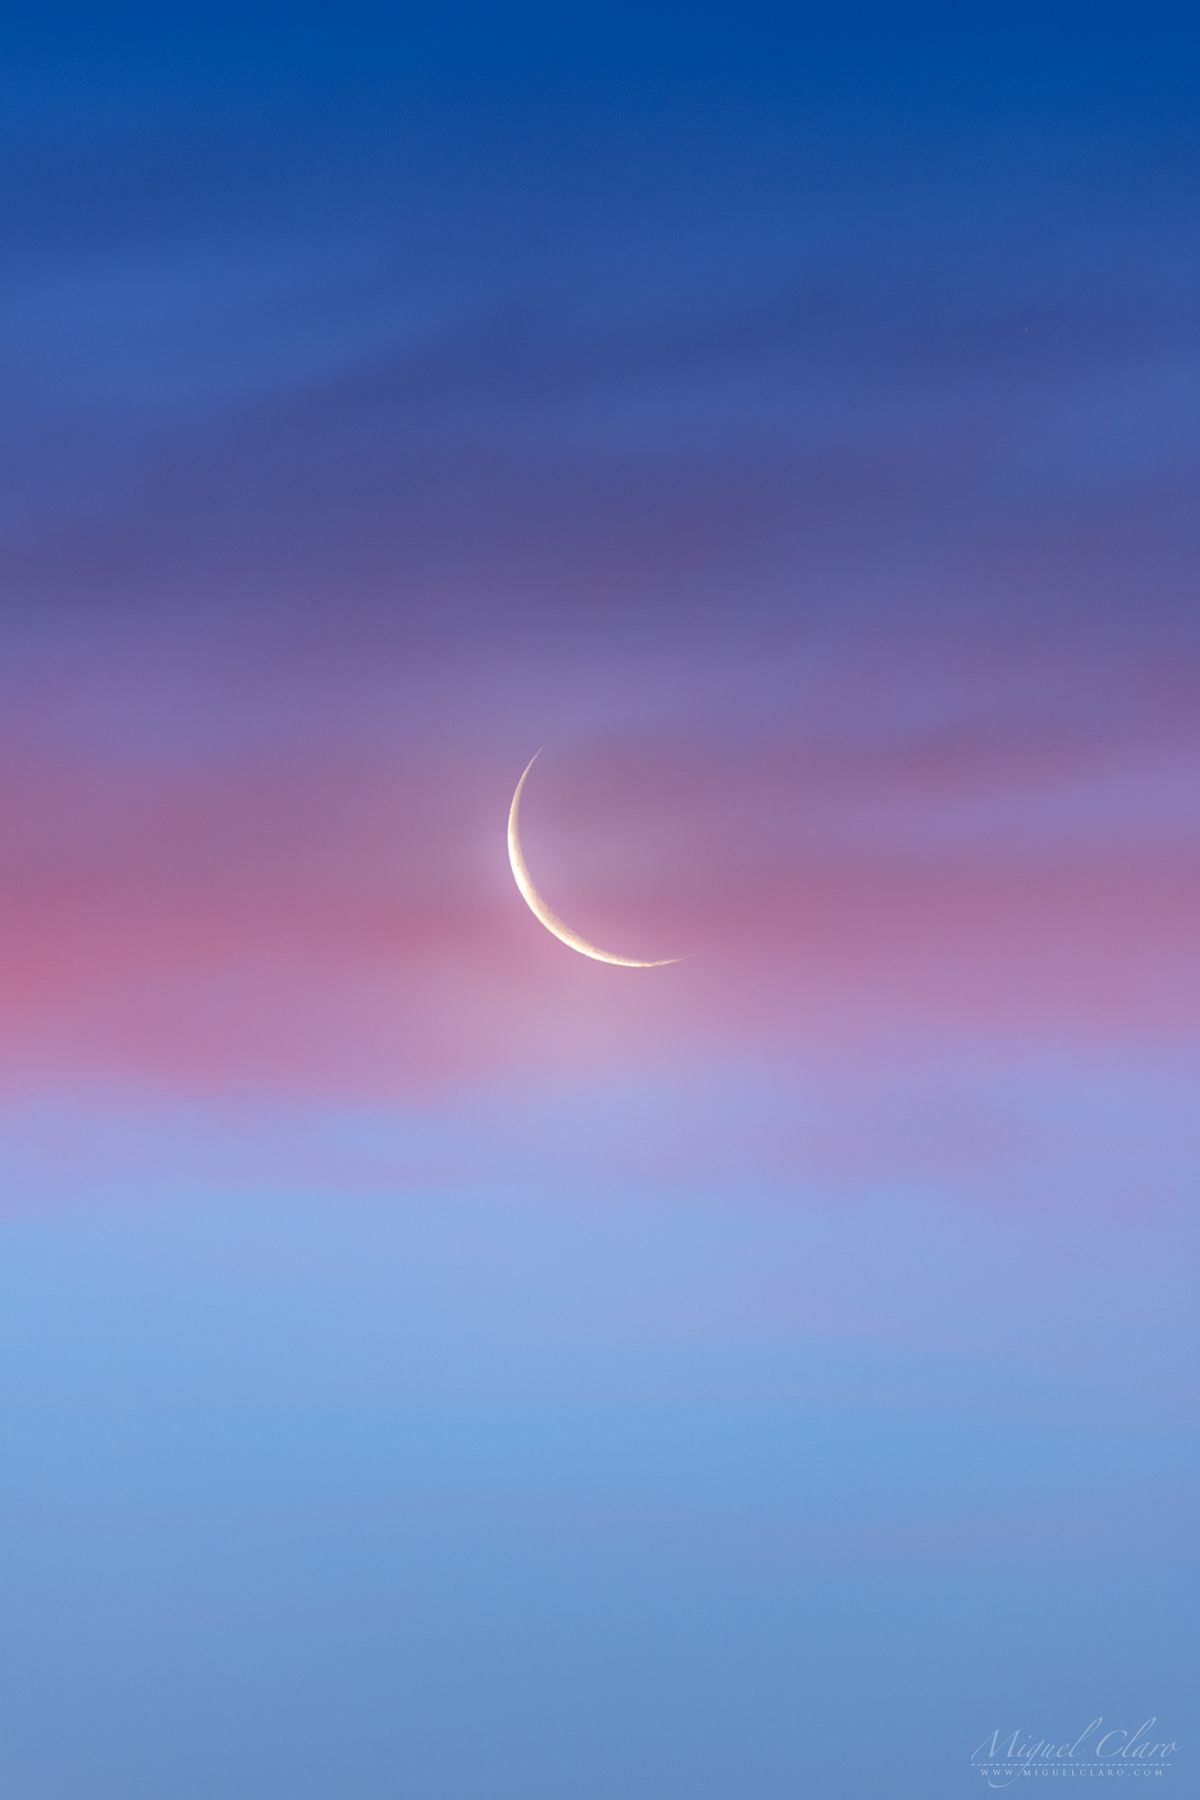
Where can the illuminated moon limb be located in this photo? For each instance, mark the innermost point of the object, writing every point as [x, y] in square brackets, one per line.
[537, 906]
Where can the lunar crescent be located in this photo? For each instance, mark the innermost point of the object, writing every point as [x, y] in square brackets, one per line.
[542, 912]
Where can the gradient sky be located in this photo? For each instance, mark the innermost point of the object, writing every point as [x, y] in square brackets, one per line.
[436, 1365]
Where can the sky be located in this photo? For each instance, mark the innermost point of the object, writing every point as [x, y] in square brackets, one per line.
[436, 1364]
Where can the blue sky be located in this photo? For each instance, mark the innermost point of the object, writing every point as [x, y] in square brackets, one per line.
[434, 1365]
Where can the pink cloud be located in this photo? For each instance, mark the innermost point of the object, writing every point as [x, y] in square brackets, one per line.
[342, 915]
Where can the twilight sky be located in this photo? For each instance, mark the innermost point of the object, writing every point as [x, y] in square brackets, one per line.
[435, 1364]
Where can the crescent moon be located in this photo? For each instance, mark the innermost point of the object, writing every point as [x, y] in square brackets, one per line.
[543, 913]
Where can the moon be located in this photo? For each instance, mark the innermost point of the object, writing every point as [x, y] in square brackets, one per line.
[543, 913]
